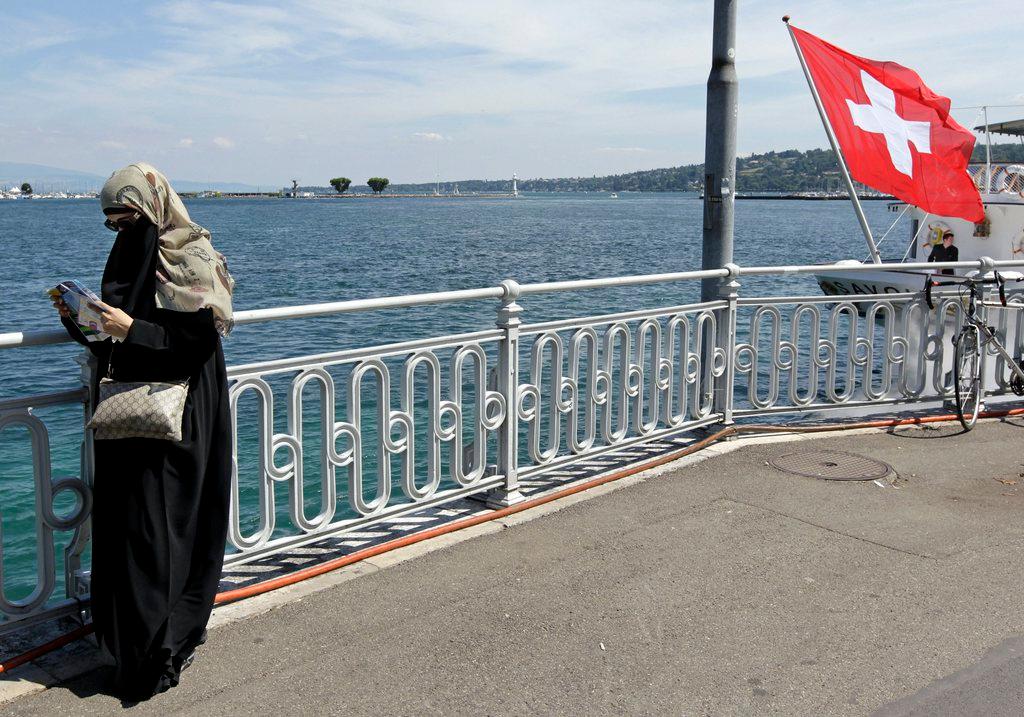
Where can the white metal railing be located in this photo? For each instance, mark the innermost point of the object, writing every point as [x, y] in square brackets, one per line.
[1005, 178]
[411, 424]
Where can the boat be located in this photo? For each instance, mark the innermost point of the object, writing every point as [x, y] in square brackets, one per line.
[613, 195]
[999, 236]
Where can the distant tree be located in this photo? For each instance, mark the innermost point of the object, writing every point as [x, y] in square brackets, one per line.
[377, 184]
[1000, 153]
[26, 188]
[340, 184]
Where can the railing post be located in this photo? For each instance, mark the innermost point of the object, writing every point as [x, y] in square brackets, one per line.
[728, 291]
[985, 266]
[508, 385]
[77, 580]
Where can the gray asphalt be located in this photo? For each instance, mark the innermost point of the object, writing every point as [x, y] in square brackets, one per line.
[725, 587]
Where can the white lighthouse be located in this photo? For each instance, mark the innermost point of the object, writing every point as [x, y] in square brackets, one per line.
[515, 186]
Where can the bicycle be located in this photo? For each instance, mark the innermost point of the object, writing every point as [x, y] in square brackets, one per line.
[968, 343]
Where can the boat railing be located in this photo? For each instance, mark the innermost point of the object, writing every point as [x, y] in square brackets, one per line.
[332, 444]
[998, 178]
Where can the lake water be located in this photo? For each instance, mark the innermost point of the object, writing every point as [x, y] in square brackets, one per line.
[286, 252]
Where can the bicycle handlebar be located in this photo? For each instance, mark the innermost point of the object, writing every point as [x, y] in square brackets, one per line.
[998, 279]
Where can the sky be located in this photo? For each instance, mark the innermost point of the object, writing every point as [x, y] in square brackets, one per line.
[266, 92]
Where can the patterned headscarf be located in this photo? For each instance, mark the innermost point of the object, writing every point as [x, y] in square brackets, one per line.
[191, 274]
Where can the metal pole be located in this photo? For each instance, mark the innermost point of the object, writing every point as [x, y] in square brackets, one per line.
[872, 248]
[720, 147]
[988, 154]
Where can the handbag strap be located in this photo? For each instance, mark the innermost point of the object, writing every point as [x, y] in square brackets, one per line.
[110, 360]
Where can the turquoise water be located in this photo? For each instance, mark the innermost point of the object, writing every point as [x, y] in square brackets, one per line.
[285, 252]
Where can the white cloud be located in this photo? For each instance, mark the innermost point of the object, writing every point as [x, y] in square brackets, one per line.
[567, 88]
[186, 142]
[19, 35]
[112, 144]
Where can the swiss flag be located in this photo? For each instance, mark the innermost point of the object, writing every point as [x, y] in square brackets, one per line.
[895, 134]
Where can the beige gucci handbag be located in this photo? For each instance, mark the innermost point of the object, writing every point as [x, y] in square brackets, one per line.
[139, 409]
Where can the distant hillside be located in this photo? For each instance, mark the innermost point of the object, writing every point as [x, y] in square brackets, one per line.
[47, 179]
[787, 171]
[42, 178]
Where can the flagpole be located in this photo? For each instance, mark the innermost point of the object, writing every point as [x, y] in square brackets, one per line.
[872, 247]
[988, 154]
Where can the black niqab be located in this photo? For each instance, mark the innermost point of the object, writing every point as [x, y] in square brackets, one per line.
[129, 278]
[160, 508]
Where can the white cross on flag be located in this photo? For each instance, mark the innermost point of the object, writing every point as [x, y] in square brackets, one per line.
[895, 134]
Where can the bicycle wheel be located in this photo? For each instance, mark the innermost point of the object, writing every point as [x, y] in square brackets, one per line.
[967, 376]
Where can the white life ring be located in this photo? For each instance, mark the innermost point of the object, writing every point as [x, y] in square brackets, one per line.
[933, 237]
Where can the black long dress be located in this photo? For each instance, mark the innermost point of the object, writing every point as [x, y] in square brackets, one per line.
[160, 510]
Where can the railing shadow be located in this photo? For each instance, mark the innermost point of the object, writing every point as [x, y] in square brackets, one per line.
[928, 431]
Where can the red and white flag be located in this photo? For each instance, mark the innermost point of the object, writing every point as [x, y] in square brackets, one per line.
[895, 134]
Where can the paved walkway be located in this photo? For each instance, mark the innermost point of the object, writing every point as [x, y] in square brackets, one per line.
[719, 587]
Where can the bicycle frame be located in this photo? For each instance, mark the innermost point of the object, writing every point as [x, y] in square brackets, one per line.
[971, 316]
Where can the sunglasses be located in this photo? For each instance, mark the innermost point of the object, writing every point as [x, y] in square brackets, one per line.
[116, 224]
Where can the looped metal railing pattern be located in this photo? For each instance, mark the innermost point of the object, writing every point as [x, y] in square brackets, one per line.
[616, 378]
[391, 424]
[404, 426]
[817, 353]
[47, 520]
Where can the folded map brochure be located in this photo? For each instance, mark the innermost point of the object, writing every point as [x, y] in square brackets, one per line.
[84, 312]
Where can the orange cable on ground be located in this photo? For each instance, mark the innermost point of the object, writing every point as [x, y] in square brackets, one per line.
[50, 646]
[360, 555]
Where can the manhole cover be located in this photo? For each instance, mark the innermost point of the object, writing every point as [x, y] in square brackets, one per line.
[831, 465]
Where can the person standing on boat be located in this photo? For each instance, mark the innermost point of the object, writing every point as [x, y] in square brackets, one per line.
[945, 252]
[160, 510]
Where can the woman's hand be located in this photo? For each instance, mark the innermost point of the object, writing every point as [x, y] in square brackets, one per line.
[113, 320]
[59, 305]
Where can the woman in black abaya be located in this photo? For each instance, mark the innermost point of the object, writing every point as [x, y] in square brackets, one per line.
[160, 507]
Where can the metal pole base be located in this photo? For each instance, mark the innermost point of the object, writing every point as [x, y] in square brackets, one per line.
[498, 497]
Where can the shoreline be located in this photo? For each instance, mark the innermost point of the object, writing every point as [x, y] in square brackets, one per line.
[791, 196]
